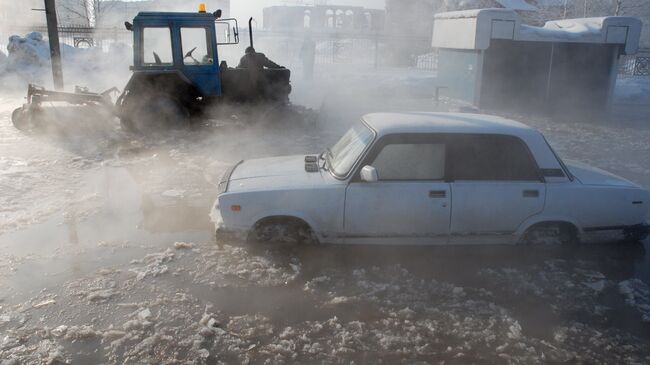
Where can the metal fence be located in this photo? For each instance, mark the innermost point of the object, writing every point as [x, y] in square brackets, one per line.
[76, 36]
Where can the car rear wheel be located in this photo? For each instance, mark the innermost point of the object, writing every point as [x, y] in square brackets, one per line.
[551, 234]
[636, 233]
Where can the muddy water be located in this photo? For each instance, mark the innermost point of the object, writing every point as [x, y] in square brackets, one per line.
[108, 257]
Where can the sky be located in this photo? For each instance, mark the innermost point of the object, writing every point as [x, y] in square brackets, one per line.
[243, 9]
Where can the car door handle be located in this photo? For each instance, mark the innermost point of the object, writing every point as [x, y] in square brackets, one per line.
[531, 193]
[436, 194]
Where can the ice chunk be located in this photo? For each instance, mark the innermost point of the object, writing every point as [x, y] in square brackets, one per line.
[144, 314]
[59, 331]
[44, 303]
[637, 295]
[597, 286]
[154, 265]
[183, 245]
[101, 295]
[174, 193]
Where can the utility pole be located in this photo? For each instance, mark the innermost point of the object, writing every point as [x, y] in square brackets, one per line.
[55, 49]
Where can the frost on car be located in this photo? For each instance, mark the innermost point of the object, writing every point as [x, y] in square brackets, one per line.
[429, 178]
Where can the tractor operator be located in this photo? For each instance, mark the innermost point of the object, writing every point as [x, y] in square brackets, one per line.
[256, 61]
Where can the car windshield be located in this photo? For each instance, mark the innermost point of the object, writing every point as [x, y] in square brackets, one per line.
[342, 156]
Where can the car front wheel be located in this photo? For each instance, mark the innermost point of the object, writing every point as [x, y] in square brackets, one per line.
[282, 231]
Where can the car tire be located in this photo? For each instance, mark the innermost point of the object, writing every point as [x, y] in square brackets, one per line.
[551, 234]
[635, 234]
[292, 232]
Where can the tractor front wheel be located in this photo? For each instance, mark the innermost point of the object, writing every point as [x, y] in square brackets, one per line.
[22, 119]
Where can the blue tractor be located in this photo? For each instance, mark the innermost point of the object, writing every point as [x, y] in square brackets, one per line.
[177, 75]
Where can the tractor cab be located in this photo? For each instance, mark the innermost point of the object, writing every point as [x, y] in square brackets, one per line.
[177, 75]
[183, 48]
[180, 43]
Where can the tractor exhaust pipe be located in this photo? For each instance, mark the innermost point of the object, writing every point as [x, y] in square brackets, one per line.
[250, 30]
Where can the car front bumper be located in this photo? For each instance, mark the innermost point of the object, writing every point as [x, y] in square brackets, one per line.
[224, 232]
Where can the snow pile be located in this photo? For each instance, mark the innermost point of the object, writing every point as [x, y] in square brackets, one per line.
[28, 56]
[578, 31]
[29, 60]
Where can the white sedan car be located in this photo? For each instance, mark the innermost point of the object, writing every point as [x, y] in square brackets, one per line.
[428, 178]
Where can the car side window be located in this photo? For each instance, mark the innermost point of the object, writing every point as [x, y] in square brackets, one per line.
[491, 158]
[402, 162]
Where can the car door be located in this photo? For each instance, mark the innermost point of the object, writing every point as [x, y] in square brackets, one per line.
[410, 202]
[496, 185]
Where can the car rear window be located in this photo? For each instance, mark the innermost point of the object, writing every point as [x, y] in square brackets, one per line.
[490, 158]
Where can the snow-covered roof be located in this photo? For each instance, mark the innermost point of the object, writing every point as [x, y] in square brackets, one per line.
[474, 29]
[391, 123]
[517, 5]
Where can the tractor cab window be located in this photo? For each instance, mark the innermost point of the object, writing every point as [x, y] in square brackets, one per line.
[157, 47]
[196, 46]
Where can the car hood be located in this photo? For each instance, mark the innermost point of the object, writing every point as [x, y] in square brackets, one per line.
[275, 173]
[590, 175]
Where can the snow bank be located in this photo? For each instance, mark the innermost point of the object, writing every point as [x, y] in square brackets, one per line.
[29, 59]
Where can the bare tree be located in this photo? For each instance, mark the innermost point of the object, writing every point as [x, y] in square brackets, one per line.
[84, 12]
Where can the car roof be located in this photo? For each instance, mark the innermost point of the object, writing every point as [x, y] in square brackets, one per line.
[415, 122]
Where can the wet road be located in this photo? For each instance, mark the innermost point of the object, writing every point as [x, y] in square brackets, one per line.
[108, 257]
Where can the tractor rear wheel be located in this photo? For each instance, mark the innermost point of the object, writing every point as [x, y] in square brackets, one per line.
[154, 113]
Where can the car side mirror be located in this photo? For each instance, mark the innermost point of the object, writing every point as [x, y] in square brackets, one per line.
[369, 174]
[217, 14]
[128, 26]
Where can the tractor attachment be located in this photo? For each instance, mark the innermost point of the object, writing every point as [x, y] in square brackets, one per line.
[29, 116]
